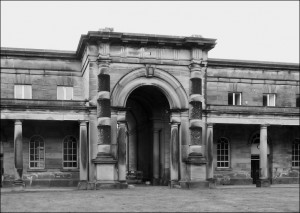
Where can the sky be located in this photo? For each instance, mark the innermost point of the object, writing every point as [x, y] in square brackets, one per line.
[254, 30]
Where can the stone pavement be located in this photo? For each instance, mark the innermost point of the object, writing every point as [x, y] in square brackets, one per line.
[62, 189]
[142, 198]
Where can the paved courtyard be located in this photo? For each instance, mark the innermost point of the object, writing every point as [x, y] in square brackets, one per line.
[153, 199]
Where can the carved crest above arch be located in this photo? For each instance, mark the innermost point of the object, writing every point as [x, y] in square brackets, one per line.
[149, 70]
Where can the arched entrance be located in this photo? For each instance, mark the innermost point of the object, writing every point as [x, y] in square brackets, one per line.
[148, 119]
[153, 104]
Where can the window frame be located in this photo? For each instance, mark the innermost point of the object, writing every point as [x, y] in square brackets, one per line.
[233, 98]
[22, 90]
[29, 153]
[63, 153]
[296, 142]
[65, 92]
[223, 155]
[297, 100]
[268, 99]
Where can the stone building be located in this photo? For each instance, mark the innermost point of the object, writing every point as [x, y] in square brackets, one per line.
[140, 107]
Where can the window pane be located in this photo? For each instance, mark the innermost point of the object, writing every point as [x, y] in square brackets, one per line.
[230, 98]
[238, 98]
[265, 103]
[272, 99]
[60, 93]
[27, 91]
[69, 93]
[18, 91]
[298, 100]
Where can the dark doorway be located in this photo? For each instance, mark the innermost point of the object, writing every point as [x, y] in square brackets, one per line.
[254, 168]
[148, 115]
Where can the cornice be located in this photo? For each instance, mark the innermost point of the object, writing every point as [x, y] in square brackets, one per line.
[39, 53]
[214, 62]
[143, 39]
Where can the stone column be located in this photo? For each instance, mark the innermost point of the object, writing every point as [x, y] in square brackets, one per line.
[162, 157]
[18, 152]
[174, 154]
[103, 107]
[122, 151]
[105, 162]
[155, 156]
[210, 153]
[263, 162]
[83, 155]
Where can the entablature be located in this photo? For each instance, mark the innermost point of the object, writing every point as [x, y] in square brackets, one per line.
[251, 110]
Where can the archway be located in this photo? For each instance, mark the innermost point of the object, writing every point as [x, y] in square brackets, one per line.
[148, 120]
[151, 103]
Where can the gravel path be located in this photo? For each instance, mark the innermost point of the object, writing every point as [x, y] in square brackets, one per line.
[154, 199]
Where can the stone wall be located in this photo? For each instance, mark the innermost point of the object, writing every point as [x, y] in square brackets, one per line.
[44, 76]
[280, 157]
[252, 83]
[53, 134]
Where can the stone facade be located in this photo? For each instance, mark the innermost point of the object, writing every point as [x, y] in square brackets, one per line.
[151, 105]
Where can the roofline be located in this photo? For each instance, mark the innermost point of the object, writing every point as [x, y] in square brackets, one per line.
[143, 39]
[41, 53]
[252, 64]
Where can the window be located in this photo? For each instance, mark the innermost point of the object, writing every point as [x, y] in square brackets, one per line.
[234, 98]
[223, 153]
[296, 153]
[64, 93]
[70, 152]
[36, 152]
[297, 100]
[269, 99]
[23, 91]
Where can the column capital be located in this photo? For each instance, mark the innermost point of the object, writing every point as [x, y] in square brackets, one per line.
[18, 122]
[210, 125]
[264, 126]
[122, 122]
[121, 117]
[174, 124]
[83, 123]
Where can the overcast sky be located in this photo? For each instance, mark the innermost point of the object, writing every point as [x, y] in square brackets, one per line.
[264, 31]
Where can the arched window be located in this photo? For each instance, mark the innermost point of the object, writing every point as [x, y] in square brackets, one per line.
[36, 152]
[70, 152]
[223, 153]
[296, 153]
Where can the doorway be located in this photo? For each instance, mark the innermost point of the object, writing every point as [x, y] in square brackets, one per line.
[254, 168]
[148, 118]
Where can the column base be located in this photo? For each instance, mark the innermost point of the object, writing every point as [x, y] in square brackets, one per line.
[82, 185]
[156, 182]
[18, 185]
[174, 184]
[263, 183]
[98, 185]
[195, 184]
[212, 182]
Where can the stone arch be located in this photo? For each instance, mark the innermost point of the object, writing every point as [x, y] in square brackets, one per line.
[168, 84]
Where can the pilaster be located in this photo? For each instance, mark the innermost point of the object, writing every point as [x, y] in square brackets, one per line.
[18, 183]
[263, 162]
[83, 156]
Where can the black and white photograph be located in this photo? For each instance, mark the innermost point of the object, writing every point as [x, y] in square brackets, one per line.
[149, 106]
